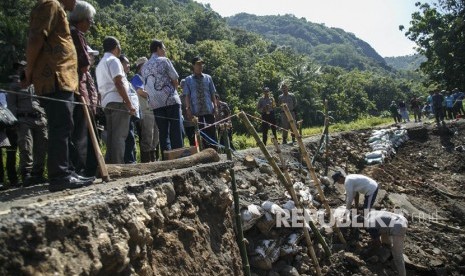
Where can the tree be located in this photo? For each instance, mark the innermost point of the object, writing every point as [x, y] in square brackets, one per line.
[439, 32]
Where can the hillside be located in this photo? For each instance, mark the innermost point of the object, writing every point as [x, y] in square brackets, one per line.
[409, 63]
[327, 46]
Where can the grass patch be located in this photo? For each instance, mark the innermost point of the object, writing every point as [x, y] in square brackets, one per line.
[243, 141]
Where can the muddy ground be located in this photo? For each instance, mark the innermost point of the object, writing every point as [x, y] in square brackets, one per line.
[181, 222]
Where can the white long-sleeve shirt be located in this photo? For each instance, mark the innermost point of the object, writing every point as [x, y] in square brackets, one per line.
[358, 183]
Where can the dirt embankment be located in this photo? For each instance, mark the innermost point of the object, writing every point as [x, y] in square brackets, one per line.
[180, 222]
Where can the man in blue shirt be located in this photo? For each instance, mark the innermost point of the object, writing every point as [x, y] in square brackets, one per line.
[458, 102]
[200, 100]
[449, 99]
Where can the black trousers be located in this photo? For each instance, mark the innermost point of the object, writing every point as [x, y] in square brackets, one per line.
[79, 140]
[271, 119]
[189, 132]
[60, 125]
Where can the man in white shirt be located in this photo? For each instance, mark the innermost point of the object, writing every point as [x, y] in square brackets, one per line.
[357, 183]
[113, 87]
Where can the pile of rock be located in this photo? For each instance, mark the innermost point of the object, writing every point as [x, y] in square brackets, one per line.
[269, 244]
[383, 143]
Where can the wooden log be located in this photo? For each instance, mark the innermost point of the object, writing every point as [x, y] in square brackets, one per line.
[129, 170]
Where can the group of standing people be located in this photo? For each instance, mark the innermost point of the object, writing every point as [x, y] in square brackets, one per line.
[58, 69]
[268, 109]
[442, 104]
[445, 104]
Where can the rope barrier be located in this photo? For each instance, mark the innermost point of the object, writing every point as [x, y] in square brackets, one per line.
[205, 125]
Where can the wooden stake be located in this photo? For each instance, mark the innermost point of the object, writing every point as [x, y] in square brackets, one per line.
[311, 169]
[98, 153]
[237, 212]
[290, 189]
[317, 233]
[326, 137]
[197, 133]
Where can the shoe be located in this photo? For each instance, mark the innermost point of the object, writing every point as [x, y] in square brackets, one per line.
[70, 182]
[83, 178]
[38, 179]
[28, 181]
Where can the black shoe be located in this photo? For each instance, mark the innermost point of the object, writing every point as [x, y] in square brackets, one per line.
[70, 182]
[28, 181]
[83, 178]
[39, 179]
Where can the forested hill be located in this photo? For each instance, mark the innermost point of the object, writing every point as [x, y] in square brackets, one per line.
[409, 63]
[329, 46]
[320, 63]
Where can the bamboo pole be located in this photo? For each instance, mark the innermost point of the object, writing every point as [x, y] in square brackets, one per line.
[237, 213]
[311, 169]
[98, 153]
[288, 178]
[281, 177]
[326, 137]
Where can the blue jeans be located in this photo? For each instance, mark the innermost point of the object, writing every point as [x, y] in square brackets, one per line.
[170, 127]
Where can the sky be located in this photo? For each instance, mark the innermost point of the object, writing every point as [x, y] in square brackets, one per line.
[374, 21]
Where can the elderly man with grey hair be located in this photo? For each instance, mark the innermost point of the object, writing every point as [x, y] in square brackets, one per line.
[82, 154]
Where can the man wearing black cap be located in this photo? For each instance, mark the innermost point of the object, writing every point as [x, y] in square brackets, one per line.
[357, 183]
[200, 100]
[266, 106]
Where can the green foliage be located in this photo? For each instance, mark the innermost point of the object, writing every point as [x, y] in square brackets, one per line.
[438, 31]
[319, 62]
[407, 63]
[329, 46]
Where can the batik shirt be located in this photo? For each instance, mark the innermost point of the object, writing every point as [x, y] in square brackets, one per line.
[158, 74]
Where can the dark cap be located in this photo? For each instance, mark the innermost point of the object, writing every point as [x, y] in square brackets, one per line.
[336, 176]
[266, 89]
[197, 59]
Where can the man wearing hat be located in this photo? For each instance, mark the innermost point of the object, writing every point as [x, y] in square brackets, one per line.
[200, 100]
[146, 126]
[290, 100]
[357, 183]
[266, 106]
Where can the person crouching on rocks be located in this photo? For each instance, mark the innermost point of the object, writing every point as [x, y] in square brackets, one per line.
[391, 228]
